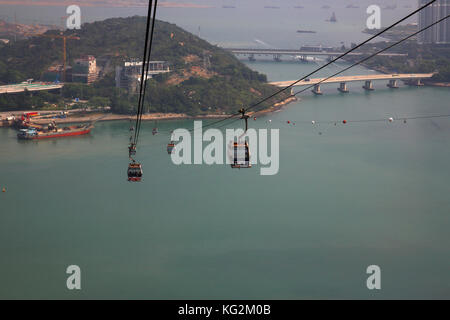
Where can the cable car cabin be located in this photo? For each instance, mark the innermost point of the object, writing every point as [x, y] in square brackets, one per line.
[241, 156]
[132, 150]
[170, 148]
[135, 172]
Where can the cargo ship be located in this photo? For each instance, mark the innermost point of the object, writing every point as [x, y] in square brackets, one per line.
[306, 31]
[53, 132]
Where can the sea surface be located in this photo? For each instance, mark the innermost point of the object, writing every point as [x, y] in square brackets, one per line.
[346, 197]
[249, 24]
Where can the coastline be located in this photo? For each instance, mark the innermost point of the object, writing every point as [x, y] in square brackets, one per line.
[100, 117]
[437, 84]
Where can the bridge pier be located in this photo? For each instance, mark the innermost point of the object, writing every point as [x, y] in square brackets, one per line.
[343, 87]
[368, 86]
[277, 57]
[393, 84]
[317, 90]
[415, 82]
[251, 57]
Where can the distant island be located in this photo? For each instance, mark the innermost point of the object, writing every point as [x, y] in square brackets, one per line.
[197, 79]
[18, 30]
[397, 33]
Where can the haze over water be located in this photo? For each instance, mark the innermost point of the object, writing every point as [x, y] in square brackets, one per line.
[353, 196]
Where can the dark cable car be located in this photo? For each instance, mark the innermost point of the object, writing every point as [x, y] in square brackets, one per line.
[241, 156]
[135, 172]
[171, 147]
[241, 150]
[132, 150]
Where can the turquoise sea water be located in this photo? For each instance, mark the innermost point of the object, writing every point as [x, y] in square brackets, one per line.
[361, 194]
[355, 195]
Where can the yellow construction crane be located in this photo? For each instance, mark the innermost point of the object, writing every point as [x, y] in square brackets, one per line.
[56, 36]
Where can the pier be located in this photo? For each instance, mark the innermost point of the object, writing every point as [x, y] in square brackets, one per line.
[412, 79]
[30, 87]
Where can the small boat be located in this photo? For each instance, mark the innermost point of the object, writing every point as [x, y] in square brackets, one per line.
[333, 18]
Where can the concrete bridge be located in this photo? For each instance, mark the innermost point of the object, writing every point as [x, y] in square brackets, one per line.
[30, 87]
[409, 78]
[278, 53]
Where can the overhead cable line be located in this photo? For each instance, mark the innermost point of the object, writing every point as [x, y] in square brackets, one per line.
[320, 68]
[365, 59]
[147, 70]
[373, 55]
[342, 55]
[141, 88]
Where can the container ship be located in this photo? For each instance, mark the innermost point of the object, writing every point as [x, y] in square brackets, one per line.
[53, 131]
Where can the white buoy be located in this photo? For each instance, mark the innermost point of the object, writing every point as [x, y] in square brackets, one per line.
[391, 119]
[313, 122]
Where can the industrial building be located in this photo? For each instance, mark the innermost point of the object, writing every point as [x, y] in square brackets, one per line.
[128, 75]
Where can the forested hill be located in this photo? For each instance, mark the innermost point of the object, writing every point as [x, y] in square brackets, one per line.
[204, 78]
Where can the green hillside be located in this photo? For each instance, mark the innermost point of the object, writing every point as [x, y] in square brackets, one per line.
[222, 85]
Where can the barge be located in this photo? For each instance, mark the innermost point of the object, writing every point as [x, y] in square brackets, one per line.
[53, 132]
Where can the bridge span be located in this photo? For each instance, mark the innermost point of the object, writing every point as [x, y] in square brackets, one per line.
[409, 78]
[278, 53]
